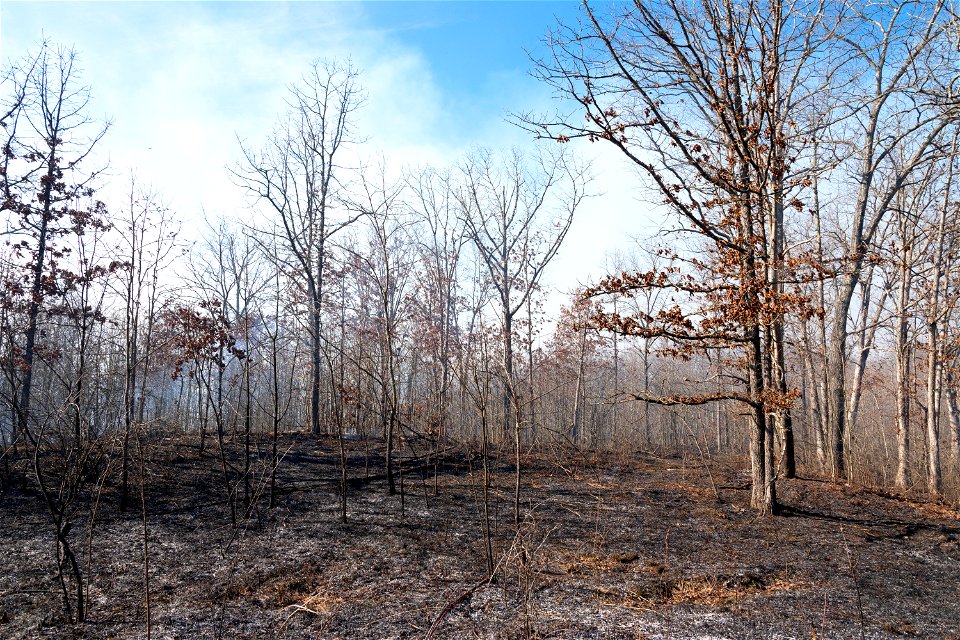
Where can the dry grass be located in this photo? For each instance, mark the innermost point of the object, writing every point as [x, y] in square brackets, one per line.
[715, 591]
[704, 591]
[613, 552]
[323, 601]
[295, 589]
[586, 564]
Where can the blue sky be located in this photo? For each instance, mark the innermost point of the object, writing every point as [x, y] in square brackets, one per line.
[182, 82]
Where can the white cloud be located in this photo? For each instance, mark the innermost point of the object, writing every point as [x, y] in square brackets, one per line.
[184, 81]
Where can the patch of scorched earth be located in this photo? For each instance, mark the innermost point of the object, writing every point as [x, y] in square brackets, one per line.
[649, 549]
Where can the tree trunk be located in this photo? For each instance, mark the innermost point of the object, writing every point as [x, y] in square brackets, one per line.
[36, 295]
[954, 408]
[315, 365]
[836, 364]
[508, 387]
[762, 496]
[934, 475]
[784, 417]
[812, 397]
[578, 394]
[903, 360]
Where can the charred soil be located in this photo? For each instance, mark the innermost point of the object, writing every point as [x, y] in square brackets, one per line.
[615, 547]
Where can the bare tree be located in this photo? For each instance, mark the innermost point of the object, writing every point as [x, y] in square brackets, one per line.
[438, 282]
[54, 287]
[386, 264]
[49, 137]
[937, 305]
[228, 280]
[899, 101]
[147, 245]
[300, 176]
[517, 211]
[704, 99]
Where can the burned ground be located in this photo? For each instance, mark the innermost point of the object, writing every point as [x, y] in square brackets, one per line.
[620, 547]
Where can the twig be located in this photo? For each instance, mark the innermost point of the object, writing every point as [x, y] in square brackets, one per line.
[146, 531]
[854, 574]
[453, 604]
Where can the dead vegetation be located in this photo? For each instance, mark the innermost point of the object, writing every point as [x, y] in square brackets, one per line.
[629, 547]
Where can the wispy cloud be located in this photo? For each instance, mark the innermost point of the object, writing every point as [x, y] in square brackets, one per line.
[184, 81]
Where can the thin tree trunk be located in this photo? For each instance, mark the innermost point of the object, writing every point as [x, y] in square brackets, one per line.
[578, 393]
[903, 351]
[508, 387]
[954, 409]
[835, 370]
[934, 474]
[315, 366]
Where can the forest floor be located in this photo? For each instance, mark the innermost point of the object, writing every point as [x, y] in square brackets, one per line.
[619, 547]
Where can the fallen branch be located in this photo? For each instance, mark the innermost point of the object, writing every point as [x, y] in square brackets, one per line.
[453, 604]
